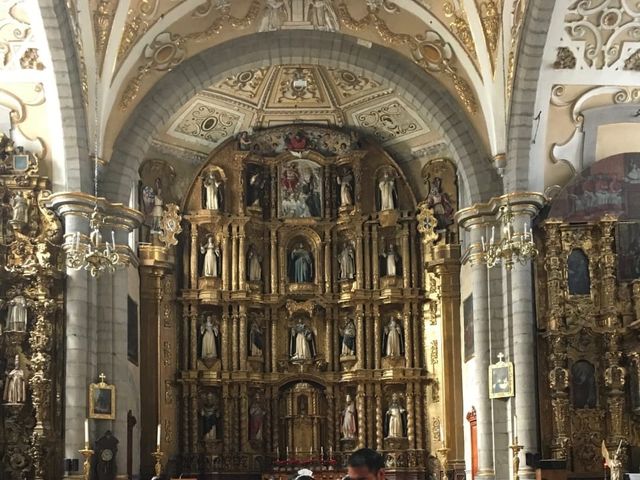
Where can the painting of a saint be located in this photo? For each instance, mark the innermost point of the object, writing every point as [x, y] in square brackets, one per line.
[628, 249]
[300, 189]
[578, 273]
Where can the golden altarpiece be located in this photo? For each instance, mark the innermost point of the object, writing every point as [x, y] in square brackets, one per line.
[293, 324]
[588, 302]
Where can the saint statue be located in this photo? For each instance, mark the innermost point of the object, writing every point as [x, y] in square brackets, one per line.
[20, 209]
[302, 265]
[15, 390]
[211, 254]
[302, 342]
[322, 16]
[391, 263]
[393, 339]
[349, 426]
[256, 419]
[158, 209]
[348, 344]
[256, 340]
[244, 142]
[346, 261]
[440, 203]
[209, 414]
[395, 418]
[346, 196]
[17, 314]
[255, 267]
[256, 190]
[212, 191]
[210, 333]
[275, 15]
[387, 186]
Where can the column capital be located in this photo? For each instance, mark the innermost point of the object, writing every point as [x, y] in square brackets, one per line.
[479, 214]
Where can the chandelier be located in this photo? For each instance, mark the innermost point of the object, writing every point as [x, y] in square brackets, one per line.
[92, 253]
[512, 246]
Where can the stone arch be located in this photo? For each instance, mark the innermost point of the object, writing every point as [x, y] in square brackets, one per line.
[329, 49]
[525, 90]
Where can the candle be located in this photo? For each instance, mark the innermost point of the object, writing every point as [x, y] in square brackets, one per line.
[287, 453]
[322, 452]
[493, 234]
[515, 427]
[278, 453]
[482, 240]
[330, 452]
[619, 447]
[113, 239]
[441, 434]
[86, 433]
[158, 437]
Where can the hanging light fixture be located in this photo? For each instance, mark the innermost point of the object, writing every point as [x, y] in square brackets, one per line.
[512, 246]
[92, 253]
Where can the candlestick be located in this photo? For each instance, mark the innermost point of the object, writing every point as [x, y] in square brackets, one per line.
[158, 437]
[158, 456]
[86, 465]
[515, 448]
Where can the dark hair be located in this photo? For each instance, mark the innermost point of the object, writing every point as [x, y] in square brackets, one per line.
[366, 457]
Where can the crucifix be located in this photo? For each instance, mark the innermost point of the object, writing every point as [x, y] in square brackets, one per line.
[102, 377]
[501, 357]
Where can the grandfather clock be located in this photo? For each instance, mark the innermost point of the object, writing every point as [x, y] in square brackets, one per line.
[106, 449]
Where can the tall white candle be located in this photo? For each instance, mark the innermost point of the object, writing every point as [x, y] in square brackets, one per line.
[158, 437]
[113, 239]
[321, 452]
[441, 433]
[86, 433]
[493, 234]
[515, 426]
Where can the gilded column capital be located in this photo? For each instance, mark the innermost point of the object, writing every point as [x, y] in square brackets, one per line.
[480, 214]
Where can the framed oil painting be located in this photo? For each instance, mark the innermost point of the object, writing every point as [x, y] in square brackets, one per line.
[469, 344]
[628, 249]
[501, 380]
[102, 400]
[300, 193]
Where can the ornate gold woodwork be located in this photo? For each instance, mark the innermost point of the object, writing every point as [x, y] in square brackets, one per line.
[238, 406]
[31, 280]
[589, 345]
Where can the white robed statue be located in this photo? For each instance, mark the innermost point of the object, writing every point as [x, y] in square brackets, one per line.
[20, 208]
[393, 339]
[17, 314]
[210, 333]
[211, 254]
[322, 16]
[395, 418]
[15, 390]
[255, 268]
[212, 191]
[346, 198]
[387, 186]
[302, 342]
[391, 261]
[349, 426]
[276, 13]
[346, 261]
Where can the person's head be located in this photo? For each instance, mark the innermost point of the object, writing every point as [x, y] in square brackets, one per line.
[365, 464]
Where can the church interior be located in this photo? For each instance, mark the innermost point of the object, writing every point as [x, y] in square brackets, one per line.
[242, 238]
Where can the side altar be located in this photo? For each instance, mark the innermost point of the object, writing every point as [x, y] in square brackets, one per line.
[291, 313]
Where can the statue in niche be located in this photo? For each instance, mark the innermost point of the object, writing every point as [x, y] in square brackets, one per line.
[583, 385]
[322, 17]
[441, 205]
[301, 265]
[346, 262]
[256, 339]
[388, 195]
[393, 340]
[255, 266]
[212, 190]
[578, 279]
[15, 389]
[395, 418]
[210, 339]
[20, 209]
[348, 429]
[244, 142]
[257, 180]
[256, 419]
[346, 190]
[276, 13]
[17, 314]
[211, 255]
[158, 208]
[209, 415]
[348, 342]
[390, 265]
[302, 344]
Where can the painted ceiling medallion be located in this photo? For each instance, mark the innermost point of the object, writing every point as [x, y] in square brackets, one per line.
[207, 124]
[389, 122]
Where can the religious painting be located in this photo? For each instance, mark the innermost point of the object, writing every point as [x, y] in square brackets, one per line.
[300, 192]
[583, 385]
[257, 191]
[132, 330]
[501, 380]
[628, 249]
[469, 345]
[578, 278]
[611, 185]
[102, 400]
